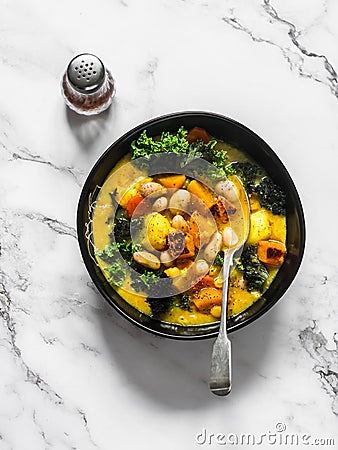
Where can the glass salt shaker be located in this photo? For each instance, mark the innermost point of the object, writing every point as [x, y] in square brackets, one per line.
[87, 85]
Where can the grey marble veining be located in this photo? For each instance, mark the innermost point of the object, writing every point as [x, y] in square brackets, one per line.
[287, 38]
[326, 361]
[75, 375]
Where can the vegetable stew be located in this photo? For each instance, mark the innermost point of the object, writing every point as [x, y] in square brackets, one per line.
[160, 227]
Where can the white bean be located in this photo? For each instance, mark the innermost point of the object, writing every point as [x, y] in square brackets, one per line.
[227, 189]
[213, 247]
[160, 204]
[229, 237]
[180, 223]
[166, 258]
[201, 267]
[179, 201]
[147, 259]
[150, 188]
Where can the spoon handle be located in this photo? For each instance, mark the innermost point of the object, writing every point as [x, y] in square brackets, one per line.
[220, 372]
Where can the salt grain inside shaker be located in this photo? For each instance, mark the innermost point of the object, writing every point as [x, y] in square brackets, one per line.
[87, 86]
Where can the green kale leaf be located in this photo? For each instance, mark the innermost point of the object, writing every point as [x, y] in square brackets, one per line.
[219, 260]
[254, 272]
[272, 197]
[159, 306]
[248, 173]
[168, 142]
[117, 273]
[185, 302]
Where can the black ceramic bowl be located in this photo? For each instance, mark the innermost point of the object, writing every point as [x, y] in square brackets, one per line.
[231, 132]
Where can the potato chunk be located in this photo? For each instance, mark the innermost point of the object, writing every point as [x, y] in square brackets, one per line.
[181, 245]
[158, 230]
[260, 228]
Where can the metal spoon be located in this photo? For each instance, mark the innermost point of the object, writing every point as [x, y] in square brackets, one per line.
[220, 372]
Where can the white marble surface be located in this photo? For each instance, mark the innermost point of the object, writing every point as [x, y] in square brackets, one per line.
[73, 374]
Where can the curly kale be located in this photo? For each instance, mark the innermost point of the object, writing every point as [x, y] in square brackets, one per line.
[149, 278]
[112, 255]
[220, 156]
[199, 149]
[120, 241]
[112, 251]
[185, 302]
[254, 272]
[127, 250]
[147, 281]
[109, 253]
[248, 173]
[216, 157]
[121, 225]
[168, 142]
[159, 306]
[219, 260]
[116, 271]
[272, 197]
[177, 143]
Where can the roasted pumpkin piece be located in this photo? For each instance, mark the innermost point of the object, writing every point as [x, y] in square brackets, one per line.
[189, 249]
[176, 243]
[219, 213]
[172, 181]
[204, 282]
[194, 229]
[130, 193]
[201, 228]
[181, 245]
[133, 204]
[223, 209]
[196, 134]
[202, 192]
[184, 263]
[206, 298]
[271, 252]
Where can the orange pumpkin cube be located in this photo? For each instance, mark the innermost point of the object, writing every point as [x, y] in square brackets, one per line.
[271, 252]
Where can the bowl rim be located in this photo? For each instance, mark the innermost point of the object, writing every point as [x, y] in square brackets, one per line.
[83, 244]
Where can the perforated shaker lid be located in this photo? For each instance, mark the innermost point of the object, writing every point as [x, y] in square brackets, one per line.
[86, 73]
